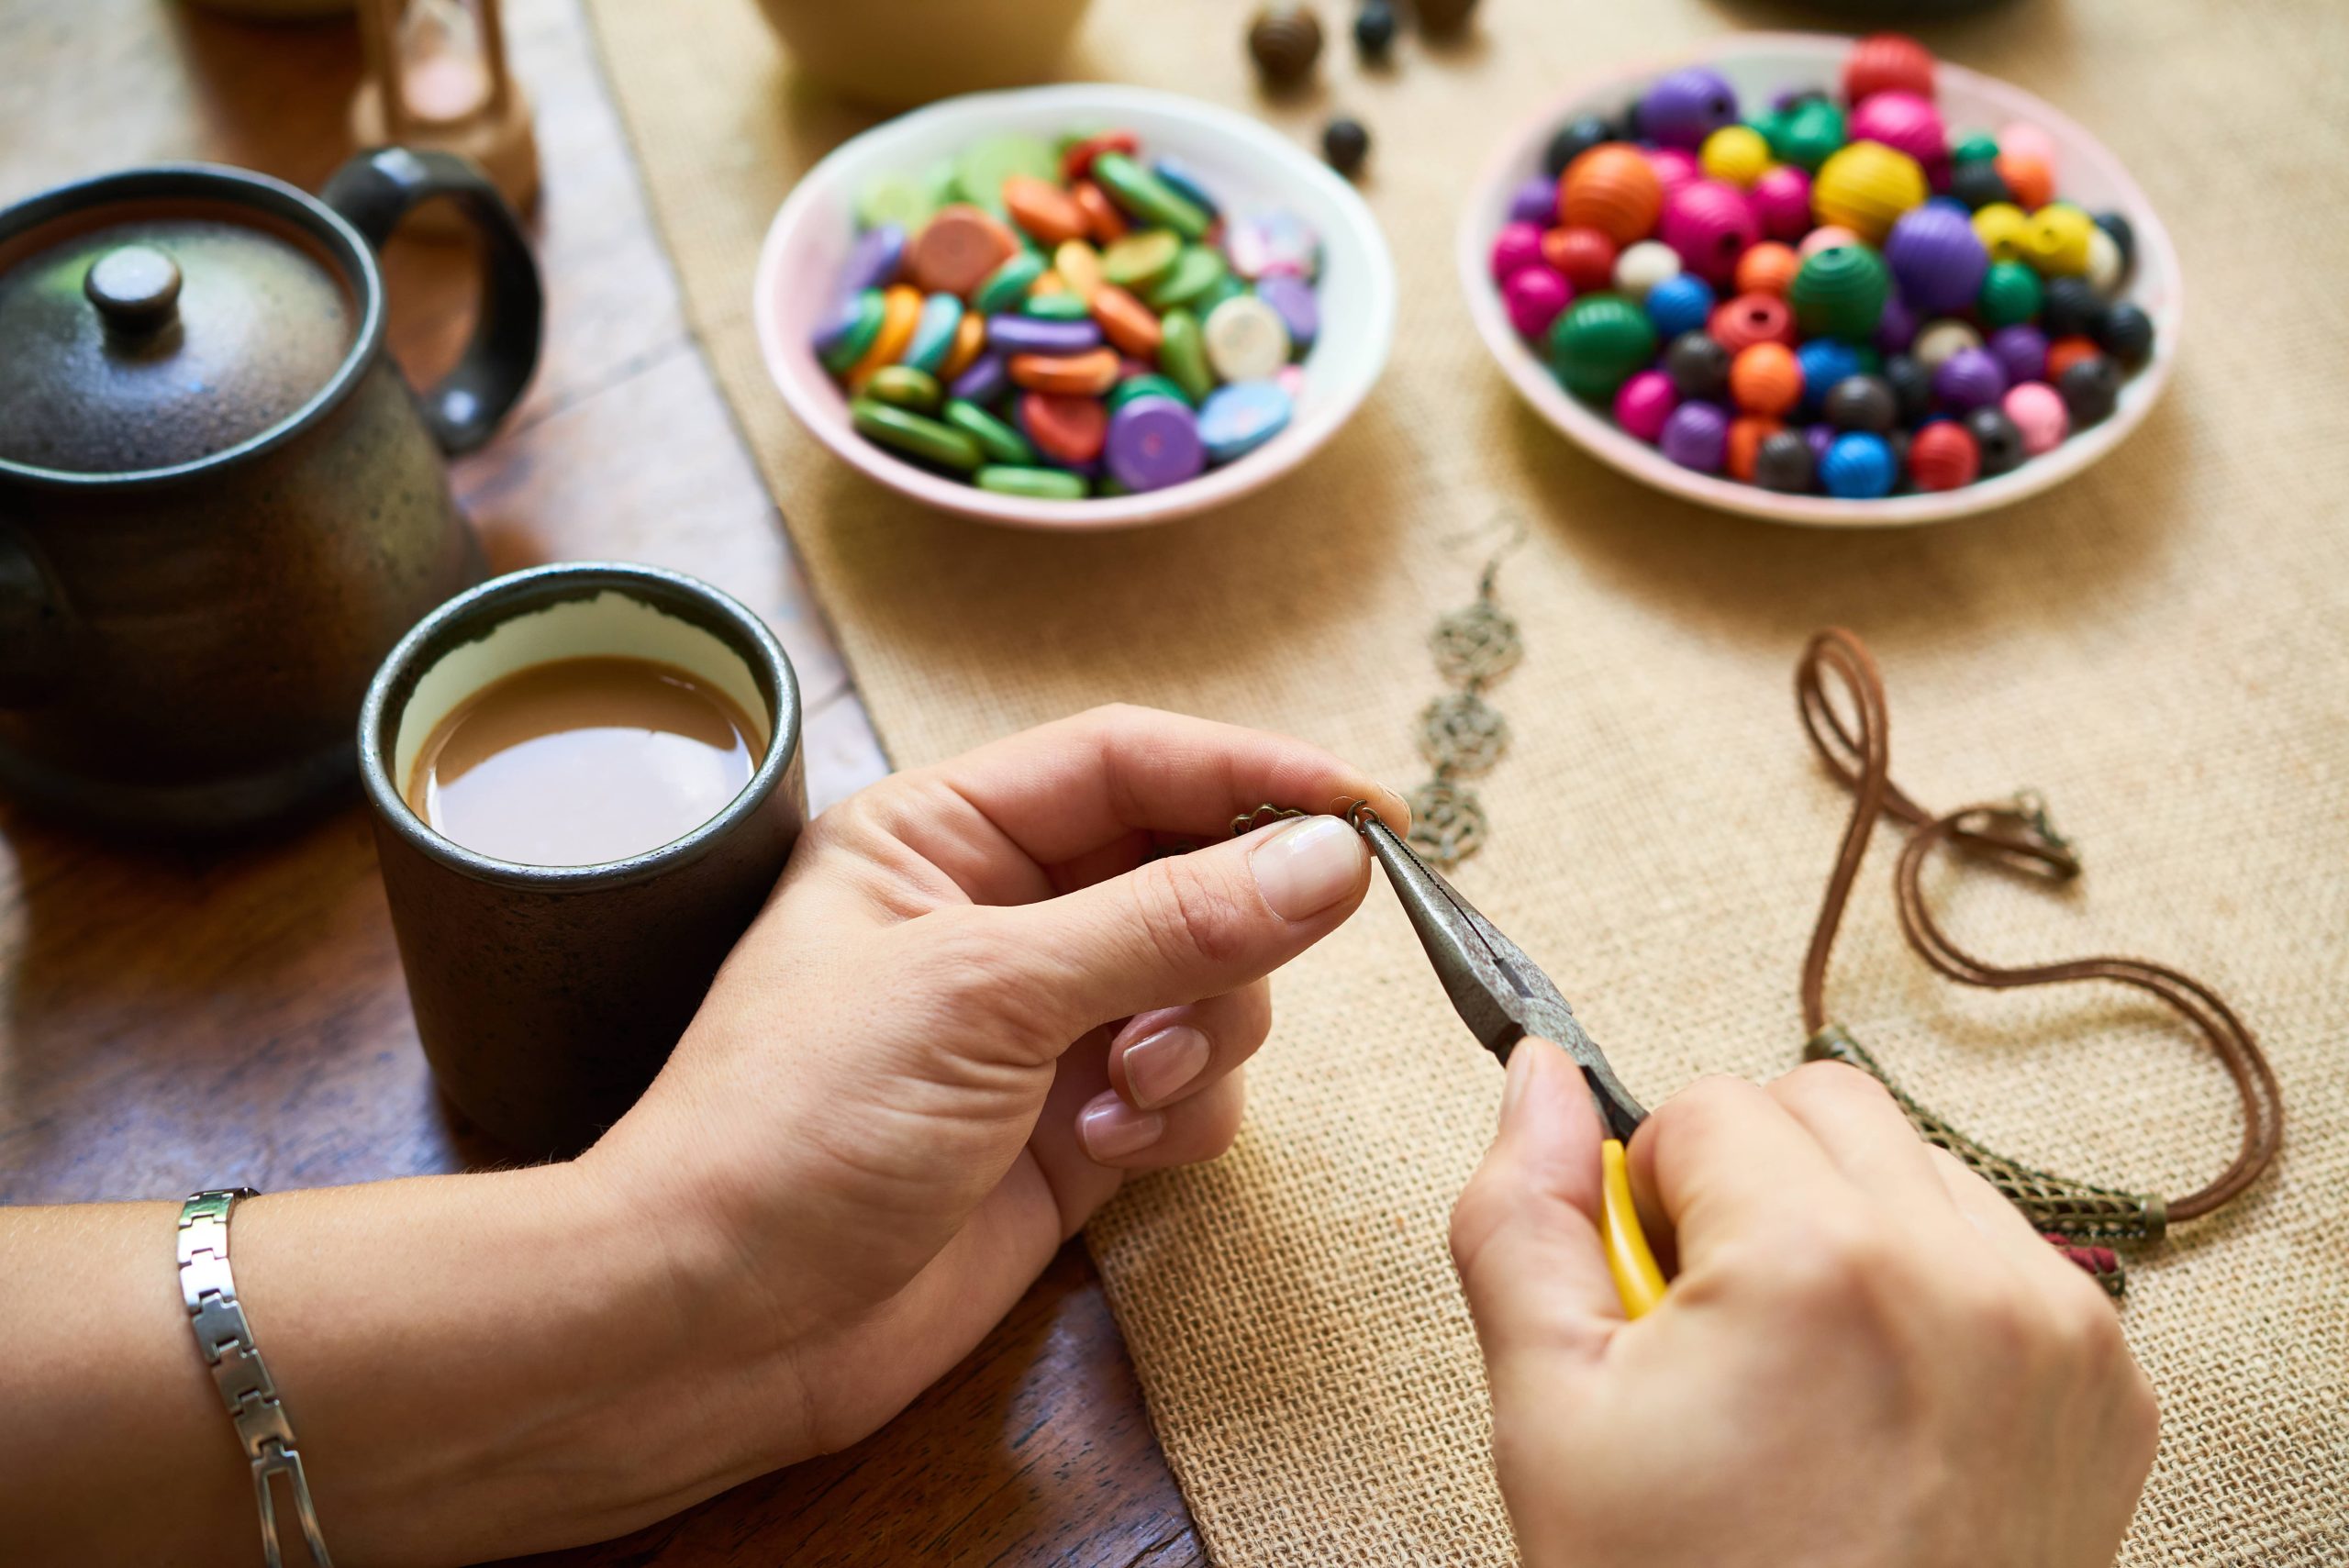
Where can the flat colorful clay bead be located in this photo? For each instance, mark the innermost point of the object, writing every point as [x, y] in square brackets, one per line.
[1153, 442]
[1029, 335]
[957, 249]
[1185, 183]
[1068, 375]
[1199, 268]
[874, 260]
[847, 337]
[1299, 307]
[934, 333]
[1140, 261]
[985, 164]
[1058, 306]
[1146, 196]
[1047, 213]
[1065, 429]
[900, 312]
[898, 201]
[1076, 157]
[1182, 354]
[1032, 483]
[982, 380]
[1009, 285]
[1103, 221]
[1259, 244]
[1147, 384]
[1246, 339]
[1237, 420]
[970, 338]
[913, 435]
[1125, 321]
[903, 386]
[998, 442]
[1078, 265]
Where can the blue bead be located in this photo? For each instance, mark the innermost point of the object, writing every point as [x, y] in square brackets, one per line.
[1679, 303]
[1858, 467]
[1825, 361]
[1238, 418]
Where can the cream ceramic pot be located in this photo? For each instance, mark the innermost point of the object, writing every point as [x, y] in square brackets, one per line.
[898, 53]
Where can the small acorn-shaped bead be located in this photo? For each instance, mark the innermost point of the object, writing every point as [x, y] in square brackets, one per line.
[1345, 143]
[1443, 16]
[1286, 41]
[1374, 31]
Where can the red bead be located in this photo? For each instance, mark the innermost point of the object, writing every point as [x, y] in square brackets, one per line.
[1750, 318]
[1585, 255]
[1887, 61]
[2065, 352]
[1942, 456]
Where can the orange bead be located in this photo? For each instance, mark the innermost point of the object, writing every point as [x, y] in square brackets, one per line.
[1737, 324]
[1088, 375]
[2029, 178]
[2065, 352]
[1614, 189]
[900, 313]
[1103, 221]
[1127, 321]
[1765, 378]
[1746, 438]
[1043, 209]
[970, 336]
[957, 249]
[1767, 268]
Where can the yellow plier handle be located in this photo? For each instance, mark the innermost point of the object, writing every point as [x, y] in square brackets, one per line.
[1638, 1281]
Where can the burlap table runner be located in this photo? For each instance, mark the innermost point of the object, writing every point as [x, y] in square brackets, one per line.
[2161, 647]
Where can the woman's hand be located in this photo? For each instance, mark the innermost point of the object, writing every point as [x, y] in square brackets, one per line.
[1867, 1357]
[980, 996]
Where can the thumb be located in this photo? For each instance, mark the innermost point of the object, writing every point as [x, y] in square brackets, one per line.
[1525, 1231]
[1185, 927]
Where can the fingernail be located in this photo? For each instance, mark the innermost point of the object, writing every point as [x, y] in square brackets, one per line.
[1524, 1061]
[1110, 1129]
[1304, 869]
[1159, 1065]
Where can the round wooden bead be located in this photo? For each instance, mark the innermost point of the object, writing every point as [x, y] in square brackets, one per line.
[2065, 352]
[1861, 403]
[1996, 439]
[1913, 386]
[2068, 307]
[2030, 178]
[1885, 62]
[1826, 236]
[1806, 134]
[1765, 378]
[1644, 403]
[2039, 415]
[1285, 39]
[2126, 333]
[1896, 328]
[1535, 201]
[1699, 366]
[1783, 464]
[1375, 29]
[1937, 340]
[1685, 106]
[1598, 343]
[2091, 389]
[1710, 224]
[1858, 467]
[1825, 362]
[1904, 121]
[1516, 246]
[1678, 305]
[1737, 324]
[1584, 255]
[2123, 236]
[1746, 434]
[2021, 351]
[1612, 188]
[1937, 258]
[1781, 199]
[1969, 379]
[1676, 168]
[1737, 155]
[1866, 187]
[2010, 293]
[1976, 184]
[1696, 437]
[1766, 268]
[1840, 292]
[1942, 456]
[2104, 268]
[1643, 266]
[1974, 146]
[1443, 16]
[1533, 296]
[2056, 241]
[2001, 226]
[1574, 139]
[2031, 141]
[1346, 142]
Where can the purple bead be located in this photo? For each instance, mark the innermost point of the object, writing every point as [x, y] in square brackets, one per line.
[1534, 297]
[2021, 352]
[1153, 442]
[1685, 106]
[981, 382]
[1937, 259]
[873, 259]
[836, 323]
[1535, 202]
[1820, 438]
[1644, 403]
[1896, 328]
[1517, 247]
[1696, 436]
[1041, 335]
[1293, 301]
[1969, 379]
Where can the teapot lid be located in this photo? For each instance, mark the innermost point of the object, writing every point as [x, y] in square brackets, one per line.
[150, 325]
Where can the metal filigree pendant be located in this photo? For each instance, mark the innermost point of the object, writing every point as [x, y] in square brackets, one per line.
[1460, 735]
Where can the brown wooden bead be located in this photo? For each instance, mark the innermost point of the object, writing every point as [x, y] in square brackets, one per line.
[1443, 16]
[1285, 39]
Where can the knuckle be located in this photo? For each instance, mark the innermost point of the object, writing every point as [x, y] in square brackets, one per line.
[1834, 1085]
[1823, 1262]
[1189, 916]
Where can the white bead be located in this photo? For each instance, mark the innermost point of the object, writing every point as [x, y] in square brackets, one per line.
[1643, 266]
[1937, 340]
[1246, 339]
[2104, 264]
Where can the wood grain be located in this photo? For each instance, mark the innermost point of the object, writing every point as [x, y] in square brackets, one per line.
[176, 1017]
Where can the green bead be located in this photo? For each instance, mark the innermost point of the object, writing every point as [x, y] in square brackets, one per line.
[1228, 286]
[1035, 483]
[913, 435]
[1199, 268]
[986, 164]
[1840, 292]
[1061, 306]
[1807, 133]
[1009, 285]
[858, 339]
[998, 442]
[1135, 386]
[904, 386]
[2011, 293]
[1183, 355]
[1148, 197]
[1138, 261]
[1598, 344]
[1976, 146]
[895, 199]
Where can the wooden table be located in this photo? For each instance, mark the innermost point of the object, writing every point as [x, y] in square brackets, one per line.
[186, 1018]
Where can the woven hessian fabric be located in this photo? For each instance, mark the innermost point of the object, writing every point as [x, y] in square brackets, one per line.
[2162, 647]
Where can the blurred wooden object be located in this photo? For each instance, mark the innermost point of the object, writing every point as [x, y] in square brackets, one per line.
[437, 78]
[177, 1019]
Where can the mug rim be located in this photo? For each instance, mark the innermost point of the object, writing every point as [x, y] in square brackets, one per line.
[239, 186]
[478, 611]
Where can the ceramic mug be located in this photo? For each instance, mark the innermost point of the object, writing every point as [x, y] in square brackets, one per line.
[548, 996]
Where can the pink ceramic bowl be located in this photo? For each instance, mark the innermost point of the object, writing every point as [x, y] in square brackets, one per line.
[1758, 66]
[1244, 162]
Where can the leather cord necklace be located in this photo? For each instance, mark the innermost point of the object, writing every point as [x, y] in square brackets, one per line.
[2085, 1219]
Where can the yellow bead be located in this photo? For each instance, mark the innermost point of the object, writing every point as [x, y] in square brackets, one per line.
[2056, 242]
[1864, 187]
[1737, 153]
[2001, 226]
[1079, 266]
[900, 312]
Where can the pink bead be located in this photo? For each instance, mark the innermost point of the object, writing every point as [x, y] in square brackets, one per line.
[1825, 237]
[1517, 247]
[1710, 223]
[2038, 412]
[1781, 201]
[1645, 402]
[1675, 167]
[1533, 298]
[2021, 136]
[1902, 121]
[1291, 380]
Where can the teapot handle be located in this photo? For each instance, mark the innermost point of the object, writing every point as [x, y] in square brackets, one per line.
[31, 630]
[373, 191]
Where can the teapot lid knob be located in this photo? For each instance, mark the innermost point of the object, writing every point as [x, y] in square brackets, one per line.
[135, 287]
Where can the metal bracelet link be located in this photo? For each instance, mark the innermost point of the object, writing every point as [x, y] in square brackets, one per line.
[226, 1339]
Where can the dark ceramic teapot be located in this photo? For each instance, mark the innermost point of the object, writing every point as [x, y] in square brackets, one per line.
[221, 505]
